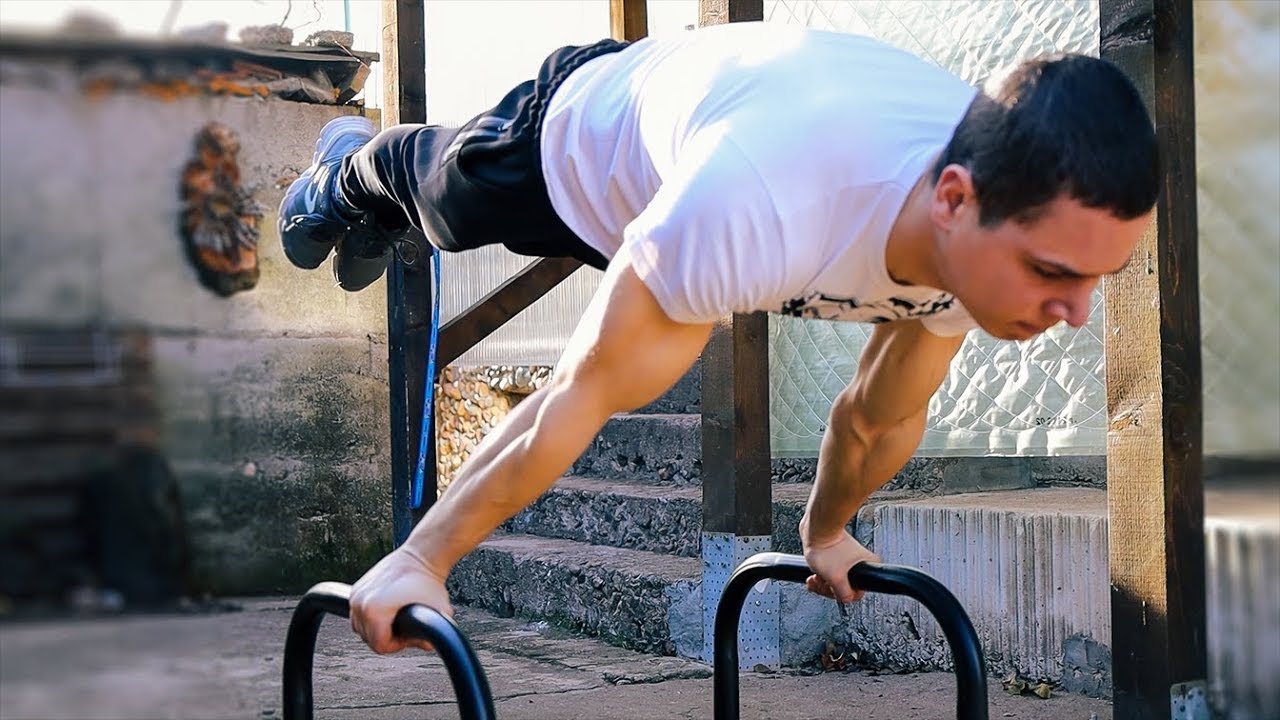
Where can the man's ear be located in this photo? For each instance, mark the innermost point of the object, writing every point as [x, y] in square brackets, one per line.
[951, 195]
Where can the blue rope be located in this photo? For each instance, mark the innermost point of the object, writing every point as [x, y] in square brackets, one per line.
[429, 386]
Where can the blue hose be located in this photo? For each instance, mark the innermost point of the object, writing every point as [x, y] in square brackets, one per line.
[429, 385]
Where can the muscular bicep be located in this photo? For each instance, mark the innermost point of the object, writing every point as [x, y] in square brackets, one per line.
[626, 351]
[901, 367]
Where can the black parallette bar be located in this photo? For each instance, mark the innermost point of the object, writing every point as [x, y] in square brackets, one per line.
[966, 651]
[417, 621]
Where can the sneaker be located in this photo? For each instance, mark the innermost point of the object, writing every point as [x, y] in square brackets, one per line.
[363, 255]
[312, 218]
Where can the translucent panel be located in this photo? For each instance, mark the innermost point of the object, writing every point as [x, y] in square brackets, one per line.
[1237, 70]
[466, 75]
[1044, 396]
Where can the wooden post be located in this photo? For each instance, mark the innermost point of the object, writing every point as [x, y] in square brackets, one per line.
[628, 19]
[716, 12]
[737, 495]
[1154, 444]
[409, 295]
[736, 492]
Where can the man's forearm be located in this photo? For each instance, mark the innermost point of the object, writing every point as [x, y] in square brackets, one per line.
[851, 466]
[514, 465]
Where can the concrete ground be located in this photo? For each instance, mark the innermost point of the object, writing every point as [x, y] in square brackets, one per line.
[227, 665]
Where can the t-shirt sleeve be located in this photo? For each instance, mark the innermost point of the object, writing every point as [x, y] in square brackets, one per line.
[710, 243]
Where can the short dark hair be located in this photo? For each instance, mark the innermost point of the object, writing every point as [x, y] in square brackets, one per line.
[1057, 124]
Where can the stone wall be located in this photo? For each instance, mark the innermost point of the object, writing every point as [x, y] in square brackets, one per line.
[472, 401]
[272, 404]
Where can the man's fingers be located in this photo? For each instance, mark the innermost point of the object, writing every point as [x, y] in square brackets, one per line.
[818, 586]
[841, 591]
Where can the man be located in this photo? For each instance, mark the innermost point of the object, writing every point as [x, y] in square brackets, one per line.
[739, 168]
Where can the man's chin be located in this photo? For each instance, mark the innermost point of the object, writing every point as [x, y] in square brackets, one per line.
[1011, 331]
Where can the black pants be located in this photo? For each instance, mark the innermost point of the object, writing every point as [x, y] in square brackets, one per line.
[476, 185]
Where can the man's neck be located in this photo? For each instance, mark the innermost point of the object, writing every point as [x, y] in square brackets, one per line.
[910, 252]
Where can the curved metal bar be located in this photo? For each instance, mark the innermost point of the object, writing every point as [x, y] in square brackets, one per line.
[966, 650]
[470, 684]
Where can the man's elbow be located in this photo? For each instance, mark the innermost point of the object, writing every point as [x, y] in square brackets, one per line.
[851, 415]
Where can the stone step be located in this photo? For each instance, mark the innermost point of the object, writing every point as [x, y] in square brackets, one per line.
[666, 449]
[654, 449]
[640, 600]
[652, 518]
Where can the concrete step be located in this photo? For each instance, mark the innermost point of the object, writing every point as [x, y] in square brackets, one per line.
[666, 449]
[652, 518]
[640, 600]
[1031, 568]
[654, 449]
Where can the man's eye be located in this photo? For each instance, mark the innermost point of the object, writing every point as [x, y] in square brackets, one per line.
[1045, 272]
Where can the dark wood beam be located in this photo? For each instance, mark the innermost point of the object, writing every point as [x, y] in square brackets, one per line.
[409, 296]
[716, 12]
[1154, 444]
[628, 19]
[737, 496]
[503, 303]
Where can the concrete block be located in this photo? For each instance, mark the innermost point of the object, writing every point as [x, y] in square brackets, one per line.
[91, 203]
[1029, 567]
[808, 622]
[281, 451]
[50, 241]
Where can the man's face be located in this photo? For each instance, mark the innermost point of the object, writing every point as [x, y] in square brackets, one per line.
[1018, 279]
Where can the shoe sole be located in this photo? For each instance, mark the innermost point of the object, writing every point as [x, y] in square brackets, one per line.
[305, 253]
[357, 273]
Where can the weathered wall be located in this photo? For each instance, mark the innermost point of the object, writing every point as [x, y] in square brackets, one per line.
[273, 403]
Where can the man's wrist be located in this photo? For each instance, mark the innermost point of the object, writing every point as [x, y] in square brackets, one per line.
[817, 537]
[429, 563]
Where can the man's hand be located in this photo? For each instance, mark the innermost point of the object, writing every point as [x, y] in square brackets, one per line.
[399, 579]
[831, 560]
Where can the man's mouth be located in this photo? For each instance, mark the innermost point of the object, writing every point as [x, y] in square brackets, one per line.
[1027, 330]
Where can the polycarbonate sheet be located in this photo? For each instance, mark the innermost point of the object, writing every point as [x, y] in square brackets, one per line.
[1044, 396]
[1237, 71]
[477, 51]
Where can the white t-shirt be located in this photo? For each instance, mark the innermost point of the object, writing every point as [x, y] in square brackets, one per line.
[751, 166]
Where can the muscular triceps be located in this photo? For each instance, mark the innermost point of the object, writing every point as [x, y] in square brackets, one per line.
[626, 351]
[876, 423]
[901, 367]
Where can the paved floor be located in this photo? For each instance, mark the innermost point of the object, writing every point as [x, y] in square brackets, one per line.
[227, 665]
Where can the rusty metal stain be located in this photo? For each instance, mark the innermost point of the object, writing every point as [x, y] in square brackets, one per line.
[219, 219]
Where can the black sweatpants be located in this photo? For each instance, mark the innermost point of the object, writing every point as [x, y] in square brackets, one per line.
[476, 185]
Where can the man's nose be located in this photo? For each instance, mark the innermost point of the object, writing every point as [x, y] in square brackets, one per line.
[1072, 308]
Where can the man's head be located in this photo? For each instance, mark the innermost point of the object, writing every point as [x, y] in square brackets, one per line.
[1047, 184]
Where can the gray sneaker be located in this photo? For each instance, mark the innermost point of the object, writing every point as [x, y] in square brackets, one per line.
[363, 255]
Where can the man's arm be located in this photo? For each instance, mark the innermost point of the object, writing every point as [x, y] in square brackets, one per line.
[875, 426]
[624, 353]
